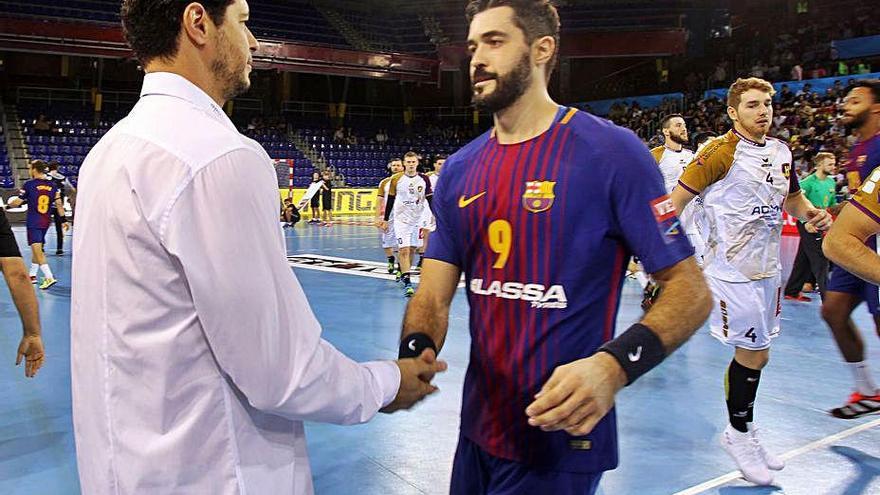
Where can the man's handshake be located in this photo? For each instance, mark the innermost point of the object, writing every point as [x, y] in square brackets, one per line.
[415, 380]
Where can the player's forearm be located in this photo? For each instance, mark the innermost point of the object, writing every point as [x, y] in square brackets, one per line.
[389, 207]
[798, 206]
[429, 315]
[680, 198]
[683, 305]
[19, 282]
[853, 255]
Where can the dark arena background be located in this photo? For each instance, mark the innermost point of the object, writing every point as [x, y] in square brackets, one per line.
[342, 87]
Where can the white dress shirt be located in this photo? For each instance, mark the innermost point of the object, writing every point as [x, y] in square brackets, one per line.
[195, 355]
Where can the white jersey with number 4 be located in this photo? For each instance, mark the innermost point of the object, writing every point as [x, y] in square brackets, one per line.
[743, 186]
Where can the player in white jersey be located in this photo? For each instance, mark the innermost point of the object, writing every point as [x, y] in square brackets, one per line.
[428, 222]
[409, 194]
[746, 180]
[389, 241]
[672, 158]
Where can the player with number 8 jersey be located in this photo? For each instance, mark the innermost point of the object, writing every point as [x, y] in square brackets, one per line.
[41, 194]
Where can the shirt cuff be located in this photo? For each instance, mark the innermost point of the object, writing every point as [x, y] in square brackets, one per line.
[387, 375]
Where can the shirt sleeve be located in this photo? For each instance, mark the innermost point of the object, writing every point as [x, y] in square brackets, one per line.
[867, 198]
[642, 211]
[8, 246]
[709, 166]
[444, 245]
[223, 233]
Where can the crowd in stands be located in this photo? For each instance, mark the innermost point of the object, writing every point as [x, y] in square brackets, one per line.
[807, 120]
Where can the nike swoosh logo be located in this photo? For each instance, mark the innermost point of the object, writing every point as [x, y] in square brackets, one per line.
[464, 202]
[635, 356]
[412, 345]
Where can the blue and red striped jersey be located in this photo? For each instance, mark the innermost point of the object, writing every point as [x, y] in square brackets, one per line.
[864, 158]
[543, 231]
[39, 194]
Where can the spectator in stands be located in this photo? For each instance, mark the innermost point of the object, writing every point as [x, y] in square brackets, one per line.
[339, 135]
[797, 73]
[43, 126]
[381, 136]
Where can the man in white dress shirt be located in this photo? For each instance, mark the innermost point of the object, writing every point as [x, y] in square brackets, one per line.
[195, 356]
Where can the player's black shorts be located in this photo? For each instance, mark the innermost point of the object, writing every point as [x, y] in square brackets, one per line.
[315, 201]
[327, 202]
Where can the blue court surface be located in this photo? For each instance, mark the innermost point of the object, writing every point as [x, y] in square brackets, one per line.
[669, 420]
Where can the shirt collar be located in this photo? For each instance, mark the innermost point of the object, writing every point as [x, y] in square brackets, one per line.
[753, 143]
[177, 86]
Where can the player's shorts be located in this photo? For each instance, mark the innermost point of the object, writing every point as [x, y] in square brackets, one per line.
[327, 203]
[315, 201]
[408, 235]
[36, 236]
[389, 240]
[474, 471]
[840, 280]
[746, 314]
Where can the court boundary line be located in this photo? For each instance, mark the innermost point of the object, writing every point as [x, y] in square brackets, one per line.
[374, 265]
[822, 442]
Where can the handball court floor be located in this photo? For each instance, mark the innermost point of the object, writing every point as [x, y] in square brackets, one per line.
[668, 421]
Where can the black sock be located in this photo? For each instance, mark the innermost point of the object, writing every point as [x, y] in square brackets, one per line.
[406, 278]
[420, 261]
[391, 259]
[741, 384]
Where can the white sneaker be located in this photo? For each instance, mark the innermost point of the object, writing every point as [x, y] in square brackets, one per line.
[772, 462]
[742, 448]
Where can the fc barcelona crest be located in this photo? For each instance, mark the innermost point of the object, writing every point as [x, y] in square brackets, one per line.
[538, 196]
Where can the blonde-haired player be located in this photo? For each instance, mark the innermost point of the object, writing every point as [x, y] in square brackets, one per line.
[409, 195]
[745, 179]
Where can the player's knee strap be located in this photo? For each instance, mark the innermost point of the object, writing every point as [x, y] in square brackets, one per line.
[638, 350]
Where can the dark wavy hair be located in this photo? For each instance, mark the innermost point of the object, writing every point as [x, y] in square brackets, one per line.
[152, 27]
[535, 18]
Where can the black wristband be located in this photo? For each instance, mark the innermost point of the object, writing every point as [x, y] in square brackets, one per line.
[638, 350]
[413, 344]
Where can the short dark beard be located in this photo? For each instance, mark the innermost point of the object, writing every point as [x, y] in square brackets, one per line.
[676, 139]
[233, 83]
[508, 88]
[859, 120]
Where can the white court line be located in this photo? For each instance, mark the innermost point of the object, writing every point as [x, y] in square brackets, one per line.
[726, 478]
[371, 269]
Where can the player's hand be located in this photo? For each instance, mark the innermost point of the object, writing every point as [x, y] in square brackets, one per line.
[31, 349]
[820, 219]
[577, 395]
[65, 226]
[383, 225]
[415, 377]
[810, 229]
